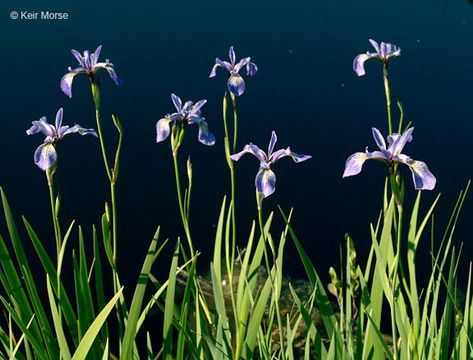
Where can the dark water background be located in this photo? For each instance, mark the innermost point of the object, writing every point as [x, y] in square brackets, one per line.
[305, 89]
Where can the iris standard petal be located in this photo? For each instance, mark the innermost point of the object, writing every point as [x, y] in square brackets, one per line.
[265, 182]
[231, 55]
[96, 55]
[379, 139]
[236, 84]
[272, 142]
[376, 46]
[78, 57]
[358, 63]
[76, 129]
[299, 157]
[354, 164]
[162, 129]
[251, 69]
[58, 121]
[399, 141]
[176, 100]
[45, 156]
[279, 154]
[195, 109]
[241, 63]
[66, 81]
[205, 136]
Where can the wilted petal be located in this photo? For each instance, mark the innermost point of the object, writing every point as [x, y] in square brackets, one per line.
[162, 129]
[205, 136]
[252, 149]
[378, 138]
[66, 81]
[265, 182]
[354, 164]
[236, 84]
[45, 155]
[358, 63]
[251, 69]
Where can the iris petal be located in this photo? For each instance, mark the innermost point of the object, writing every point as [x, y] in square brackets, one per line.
[358, 63]
[265, 182]
[252, 149]
[45, 156]
[66, 81]
[162, 129]
[378, 138]
[236, 84]
[272, 142]
[354, 164]
[251, 69]
[421, 176]
[205, 136]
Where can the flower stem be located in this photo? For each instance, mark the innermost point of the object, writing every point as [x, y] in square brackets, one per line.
[176, 138]
[388, 96]
[235, 122]
[57, 230]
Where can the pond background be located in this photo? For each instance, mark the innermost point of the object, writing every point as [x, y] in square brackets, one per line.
[305, 90]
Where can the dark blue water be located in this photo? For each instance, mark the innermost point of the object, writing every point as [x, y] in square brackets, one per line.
[305, 90]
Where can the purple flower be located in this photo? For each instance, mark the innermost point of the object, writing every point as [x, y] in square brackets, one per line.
[87, 65]
[383, 52]
[45, 155]
[421, 175]
[235, 82]
[265, 179]
[188, 114]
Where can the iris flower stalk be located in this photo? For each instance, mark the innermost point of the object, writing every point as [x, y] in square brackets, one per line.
[236, 87]
[175, 124]
[89, 65]
[384, 52]
[45, 157]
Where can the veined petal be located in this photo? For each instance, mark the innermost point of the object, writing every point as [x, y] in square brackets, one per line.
[354, 164]
[252, 149]
[76, 129]
[299, 157]
[265, 182]
[241, 63]
[421, 175]
[376, 46]
[198, 105]
[272, 142]
[221, 63]
[66, 81]
[111, 71]
[398, 142]
[41, 126]
[58, 119]
[287, 152]
[96, 55]
[251, 69]
[231, 55]
[162, 129]
[236, 84]
[205, 136]
[358, 63]
[378, 138]
[78, 57]
[45, 155]
[176, 100]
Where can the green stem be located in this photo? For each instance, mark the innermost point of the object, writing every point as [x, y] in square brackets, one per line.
[235, 122]
[388, 96]
[176, 138]
[57, 231]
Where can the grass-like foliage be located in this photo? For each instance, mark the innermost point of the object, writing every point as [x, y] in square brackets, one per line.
[246, 308]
